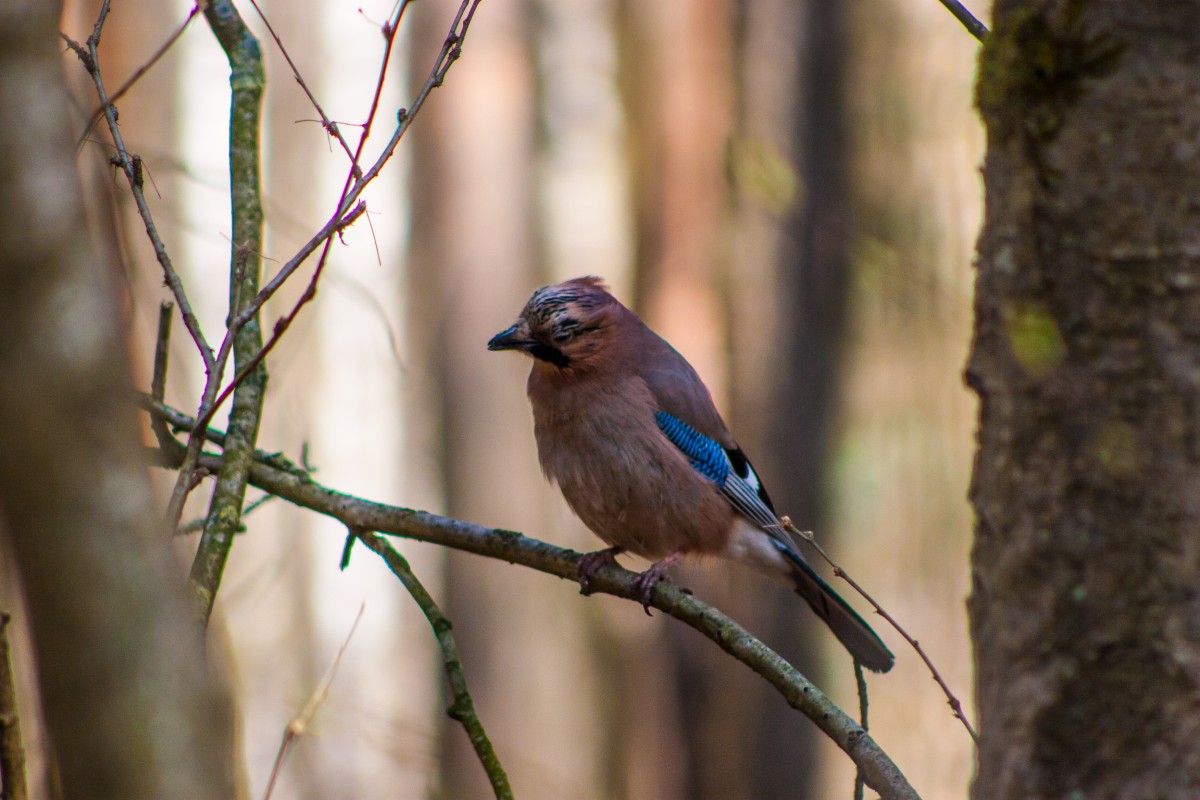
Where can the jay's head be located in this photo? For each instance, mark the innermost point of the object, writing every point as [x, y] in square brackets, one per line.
[565, 325]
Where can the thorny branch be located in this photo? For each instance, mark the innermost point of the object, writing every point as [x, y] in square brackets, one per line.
[125, 160]
[329, 125]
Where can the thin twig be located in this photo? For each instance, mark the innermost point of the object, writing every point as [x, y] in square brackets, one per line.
[281, 324]
[349, 206]
[197, 525]
[187, 478]
[860, 681]
[968, 20]
[158, 383]
[336, 224]
[953, 701]
[300, 723]
[462, 709]
[138, 73]
[183, 422]
[329, 125]
[881, 774]
[124, 160]
[12, 749]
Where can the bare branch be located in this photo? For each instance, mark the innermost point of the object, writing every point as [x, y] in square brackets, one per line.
[350, 207]
[462, 709]
[879, 771]
[298, 725]
[329, 125]
[450, 52]
[125, 161]
[130, 164]
[158, 384]
[247, 81]
[137, 75]
[955, 705]
[968, 20]
[283, 323]
[860, 681]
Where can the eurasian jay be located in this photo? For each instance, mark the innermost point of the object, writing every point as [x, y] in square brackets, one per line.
[630, 434]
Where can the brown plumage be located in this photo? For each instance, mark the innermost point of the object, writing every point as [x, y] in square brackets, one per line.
[630, 434]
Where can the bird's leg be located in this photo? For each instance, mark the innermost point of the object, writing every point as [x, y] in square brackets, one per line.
[590, 562]
[645, 582]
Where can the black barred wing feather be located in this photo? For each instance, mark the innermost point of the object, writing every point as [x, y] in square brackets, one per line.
[728, 469]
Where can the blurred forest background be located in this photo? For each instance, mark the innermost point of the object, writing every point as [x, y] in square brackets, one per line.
[787, 190]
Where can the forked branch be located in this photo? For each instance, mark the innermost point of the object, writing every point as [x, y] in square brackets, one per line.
[269, 473]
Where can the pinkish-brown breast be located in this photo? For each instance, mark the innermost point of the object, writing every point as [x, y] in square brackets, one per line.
[598, 441]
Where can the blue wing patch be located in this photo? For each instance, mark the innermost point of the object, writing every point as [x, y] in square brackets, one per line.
[710, 459]
[706, 456]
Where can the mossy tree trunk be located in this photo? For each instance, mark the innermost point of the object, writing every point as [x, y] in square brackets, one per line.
[1086, 360]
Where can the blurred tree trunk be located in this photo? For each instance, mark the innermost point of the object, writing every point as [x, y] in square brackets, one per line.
[128, 702]
[774, 69]
[896, 477]
[1086, 566]
[805, 343]
[286, 538]
[473, 264]
[677, 86]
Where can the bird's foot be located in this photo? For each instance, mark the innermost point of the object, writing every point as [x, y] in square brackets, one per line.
[590, 562]
[645, 582]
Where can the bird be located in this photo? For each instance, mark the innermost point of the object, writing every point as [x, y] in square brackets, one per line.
[629, 432]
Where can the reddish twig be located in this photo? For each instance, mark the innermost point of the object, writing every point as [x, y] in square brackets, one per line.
[450, 52]
[133, 174]
[350, 207]
[281, 325]
[329, 125]
[300, 723]
[130, 165]
[138, 73]
[955, 705]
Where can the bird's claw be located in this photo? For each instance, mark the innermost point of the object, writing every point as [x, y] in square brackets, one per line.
[589, 563]
[645, 582]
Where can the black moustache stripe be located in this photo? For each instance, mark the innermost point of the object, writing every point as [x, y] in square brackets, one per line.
[551, 355]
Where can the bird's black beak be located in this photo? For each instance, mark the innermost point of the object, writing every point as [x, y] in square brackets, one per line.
[507, 340]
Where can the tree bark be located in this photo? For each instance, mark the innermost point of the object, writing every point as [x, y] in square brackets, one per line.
[1086, 564]
[129, 706]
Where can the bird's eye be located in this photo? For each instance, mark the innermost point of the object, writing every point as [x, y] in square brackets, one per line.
[562, 337]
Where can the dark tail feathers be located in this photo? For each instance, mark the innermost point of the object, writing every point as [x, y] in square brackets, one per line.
[851, 630]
